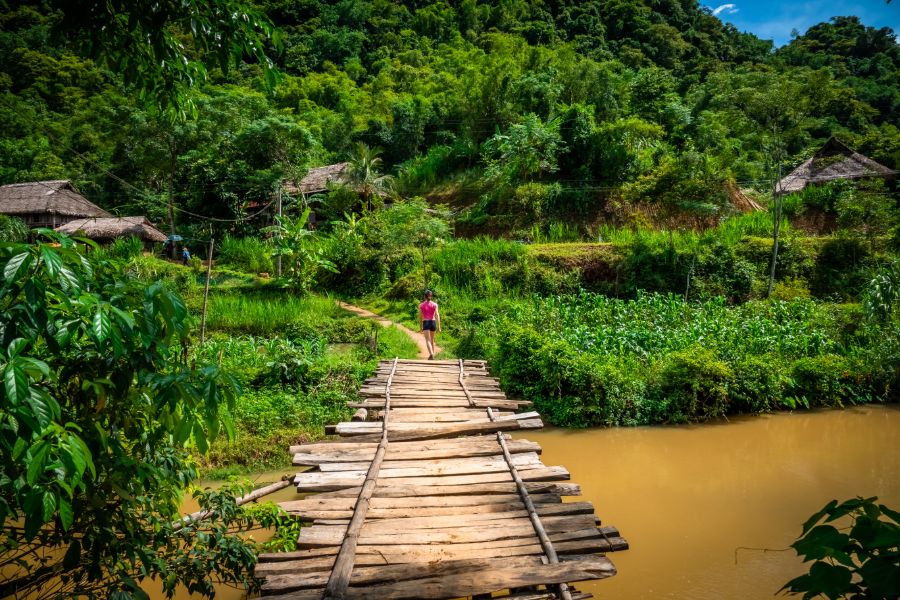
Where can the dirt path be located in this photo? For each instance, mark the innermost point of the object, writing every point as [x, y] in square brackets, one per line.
[415, 336]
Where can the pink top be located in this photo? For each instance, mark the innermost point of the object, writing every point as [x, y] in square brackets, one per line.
[428, 309]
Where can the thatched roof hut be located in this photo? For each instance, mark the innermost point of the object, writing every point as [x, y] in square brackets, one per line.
[109, 228]
[46, 203]
[832, 161]
[318, 178]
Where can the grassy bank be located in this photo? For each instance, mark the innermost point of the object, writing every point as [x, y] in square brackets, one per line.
[298, 359]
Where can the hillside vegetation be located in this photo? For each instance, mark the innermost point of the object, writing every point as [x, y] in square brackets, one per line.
[517, 113]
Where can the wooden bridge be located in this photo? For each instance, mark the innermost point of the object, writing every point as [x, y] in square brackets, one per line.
[425, 496]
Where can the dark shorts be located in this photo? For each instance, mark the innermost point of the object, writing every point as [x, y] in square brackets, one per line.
[430, 325]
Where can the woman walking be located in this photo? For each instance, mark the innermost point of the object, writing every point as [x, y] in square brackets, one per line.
[429, 321]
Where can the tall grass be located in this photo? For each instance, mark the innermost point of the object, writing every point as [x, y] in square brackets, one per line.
[728, 232]
[456, 262]
[248, 254]
[269, 314]
[557, 233]
[121, 248]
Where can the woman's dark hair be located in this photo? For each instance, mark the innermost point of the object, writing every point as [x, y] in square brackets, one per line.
[428, 293]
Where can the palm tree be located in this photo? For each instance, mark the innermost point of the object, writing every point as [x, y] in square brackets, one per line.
[364, 173]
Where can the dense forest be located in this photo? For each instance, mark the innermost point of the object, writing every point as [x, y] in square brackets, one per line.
[513, 113]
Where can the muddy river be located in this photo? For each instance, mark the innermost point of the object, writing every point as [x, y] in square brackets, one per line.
[689, 499]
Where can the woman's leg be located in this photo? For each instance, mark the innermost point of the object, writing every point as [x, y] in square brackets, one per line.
[429, 341]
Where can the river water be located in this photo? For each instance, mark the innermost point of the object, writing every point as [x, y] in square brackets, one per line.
[687, 498]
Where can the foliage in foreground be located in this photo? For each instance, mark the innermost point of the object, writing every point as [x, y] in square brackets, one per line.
[861, 560]
[591, 360]
[99, 414]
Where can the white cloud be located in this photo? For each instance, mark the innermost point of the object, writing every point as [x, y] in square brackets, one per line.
[728, 9]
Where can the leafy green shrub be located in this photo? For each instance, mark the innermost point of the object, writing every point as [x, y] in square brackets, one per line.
[529, 202]
[13, 229]
[822, 381]
[694, 383]
[790, 289]
[841, 268]
[248, 254]
[407, 287]
[101, 414]
[719, 271]
[757, 384]
[149, 269]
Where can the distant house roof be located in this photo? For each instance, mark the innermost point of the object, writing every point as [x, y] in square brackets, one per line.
[832, 161]
[108, 228]
[47, 197]
[318, 178]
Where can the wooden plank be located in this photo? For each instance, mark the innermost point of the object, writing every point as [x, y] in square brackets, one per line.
[395, 573]
[318, 503]
[371, 534]
[441, 466]
[402, 489]
[350, 427]
[317, 481]
[491, 578]
[419, 402]
[452, 429]
[429, 552]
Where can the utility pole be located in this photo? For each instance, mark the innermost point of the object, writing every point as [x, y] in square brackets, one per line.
[278, 258]
[209, 259]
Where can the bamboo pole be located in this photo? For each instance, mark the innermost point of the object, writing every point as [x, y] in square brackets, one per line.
[776, 230]
[250, 497]
[339, 579]
[280, 214]
[209, 259]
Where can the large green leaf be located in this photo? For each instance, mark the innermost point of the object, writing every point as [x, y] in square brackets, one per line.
[15, 383]
[37, 459]
[100, 325]
[43, 406]
[820, 542]
[15, 347]
[48, 506]
[66, 514]
[15, 265]
[830, 580]
[52, 260]
[881, 576]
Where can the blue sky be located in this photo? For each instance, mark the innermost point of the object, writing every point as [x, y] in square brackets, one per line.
[774, 20]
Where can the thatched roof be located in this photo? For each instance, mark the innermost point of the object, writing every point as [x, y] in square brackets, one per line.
[833, 161]
[114, 227]
[318, 178]
[47, 197]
